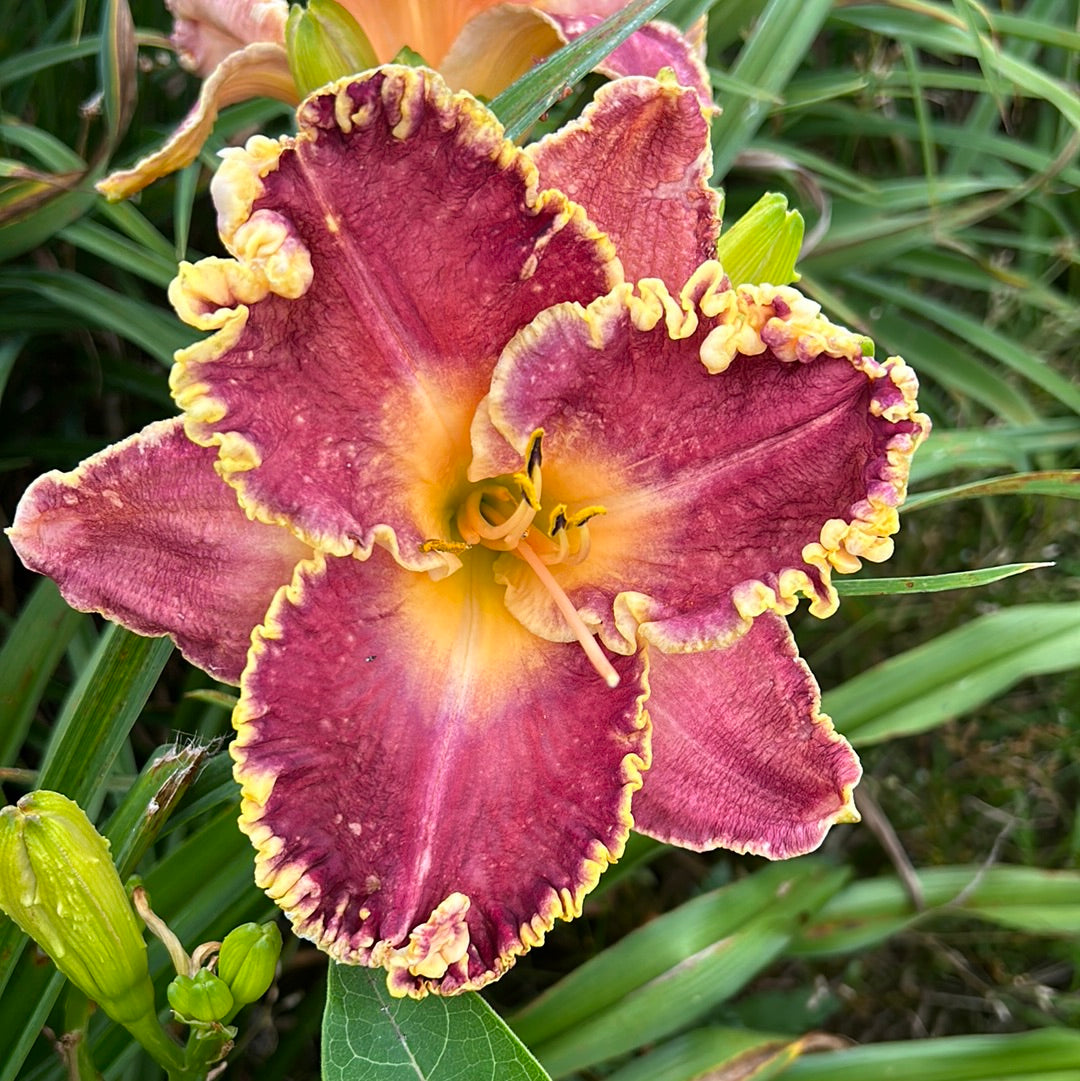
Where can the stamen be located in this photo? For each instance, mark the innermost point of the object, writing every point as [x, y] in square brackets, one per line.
[574, 621]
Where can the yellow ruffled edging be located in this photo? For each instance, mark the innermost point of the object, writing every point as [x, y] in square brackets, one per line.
[217, 294]
[416, 966]
[753, 319]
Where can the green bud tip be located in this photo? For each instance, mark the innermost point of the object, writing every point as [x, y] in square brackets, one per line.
[202, 997]
[58, 883]
[325, 43]
[763, 245]
[247, 960]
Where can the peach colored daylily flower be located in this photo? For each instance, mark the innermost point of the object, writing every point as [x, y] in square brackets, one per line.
[237, 47]
[492, 494]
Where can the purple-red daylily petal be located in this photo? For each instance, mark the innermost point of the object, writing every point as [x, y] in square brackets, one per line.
[741, 447]
[743, 758]
[429, 787]
[258, 70]
[399, 291]
[146, 534]
[638, 160]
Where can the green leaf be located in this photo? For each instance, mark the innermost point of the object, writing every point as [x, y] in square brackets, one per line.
[86, 739]
[149, 803]
[723, 1053]
[933, 583]
[955, 672]
[369, 1036]
[866, 913]
[116, 69]
[1052, 1054]
[519, 106]
[1058, 482]
[34, 646]
[137, 321]
[992, 342]
[992, 448]
[780, 40]
[662, 976]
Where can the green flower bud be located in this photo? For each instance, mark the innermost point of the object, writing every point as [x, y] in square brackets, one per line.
[324, 42]
[247, 960]
[202, 997]
[763, 244]
[58, 883]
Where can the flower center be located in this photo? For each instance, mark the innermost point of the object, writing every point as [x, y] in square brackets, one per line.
[493, 517]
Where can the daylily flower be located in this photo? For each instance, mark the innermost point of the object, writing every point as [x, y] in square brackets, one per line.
[545, 523]
[237, 47]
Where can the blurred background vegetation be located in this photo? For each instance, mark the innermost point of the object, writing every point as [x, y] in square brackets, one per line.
[933, 149]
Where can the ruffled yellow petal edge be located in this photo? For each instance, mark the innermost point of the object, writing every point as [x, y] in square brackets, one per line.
[217, 294]
[443, 934]
[753, 319]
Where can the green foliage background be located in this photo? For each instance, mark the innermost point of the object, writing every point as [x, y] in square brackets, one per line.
[932, 147]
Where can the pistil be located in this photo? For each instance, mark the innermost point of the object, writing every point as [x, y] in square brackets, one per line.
[584, 636]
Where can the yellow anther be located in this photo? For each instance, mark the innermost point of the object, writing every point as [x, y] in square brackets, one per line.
[444, 546]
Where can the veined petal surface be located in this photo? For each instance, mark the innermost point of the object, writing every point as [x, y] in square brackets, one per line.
[741, 445]
[146, 534]
[638, 160]
[427, 784]
[743, 758]
[383, 259]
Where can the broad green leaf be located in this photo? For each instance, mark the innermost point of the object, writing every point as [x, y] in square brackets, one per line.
[865, 913]
[1052, 1054]
[649, 951]
[30, 61]
[369, 1036]
[1001, 347]
[100, 711]
[934, 28]
[696, 971]
[10, 348]
[955, 672]
[119, 251]
[519, 106]
[936, 357]
[934, 583]
[42, 221]
[1059, 482]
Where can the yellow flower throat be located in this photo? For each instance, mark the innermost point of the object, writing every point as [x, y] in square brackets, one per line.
[491, 516]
